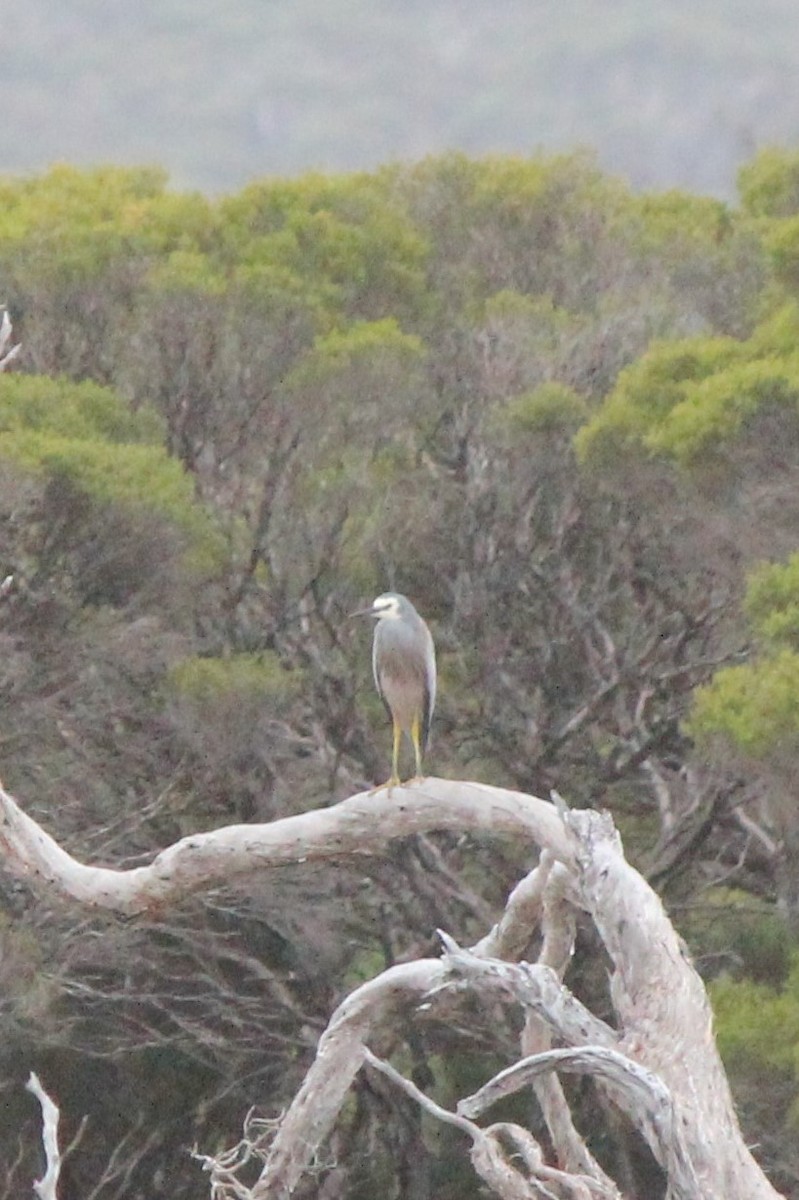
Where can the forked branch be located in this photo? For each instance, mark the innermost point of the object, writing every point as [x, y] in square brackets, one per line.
[657, 1061]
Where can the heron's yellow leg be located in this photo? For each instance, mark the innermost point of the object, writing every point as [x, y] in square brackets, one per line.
[394, 780]
[417, 745]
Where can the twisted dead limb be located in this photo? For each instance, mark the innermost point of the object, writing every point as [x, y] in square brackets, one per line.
[660, 1062]
[490, 1158]
[364, 824]
[661, 1066]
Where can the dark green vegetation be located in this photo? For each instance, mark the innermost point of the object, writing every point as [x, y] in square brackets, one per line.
[668, 94]
[561, 417]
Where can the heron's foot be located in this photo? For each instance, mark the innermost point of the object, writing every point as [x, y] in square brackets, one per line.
[417, 778]
[393, 782]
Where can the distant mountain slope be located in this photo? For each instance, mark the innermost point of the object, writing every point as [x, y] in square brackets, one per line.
[669, 95]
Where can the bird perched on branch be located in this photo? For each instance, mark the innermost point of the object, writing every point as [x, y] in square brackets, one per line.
[404, 665]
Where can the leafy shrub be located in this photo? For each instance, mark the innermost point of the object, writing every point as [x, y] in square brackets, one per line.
[205, 681]
[84, 433]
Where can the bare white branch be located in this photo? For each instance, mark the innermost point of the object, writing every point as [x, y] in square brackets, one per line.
[557, 946]
[491, 1160]
[663, 1011]
[339, 1056]
[660, 1003]
[46, 1188]
[7, 353]
[512, 934]
[659, 1062]
[435, 1110]
[535, 987]
[363, 824]
[224, 1168]
[756, 831]
[639, 1092]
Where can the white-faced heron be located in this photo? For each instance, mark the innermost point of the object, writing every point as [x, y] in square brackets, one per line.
[404, 665]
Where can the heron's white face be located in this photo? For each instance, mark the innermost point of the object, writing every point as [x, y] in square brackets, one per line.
[386, 607]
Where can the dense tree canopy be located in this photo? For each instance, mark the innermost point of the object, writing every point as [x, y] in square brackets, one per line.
[564, 418]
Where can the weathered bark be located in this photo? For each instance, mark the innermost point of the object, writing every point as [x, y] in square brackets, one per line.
[659, 1064]
[363, 824]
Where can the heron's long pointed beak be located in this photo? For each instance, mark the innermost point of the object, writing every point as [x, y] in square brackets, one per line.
[363, 612]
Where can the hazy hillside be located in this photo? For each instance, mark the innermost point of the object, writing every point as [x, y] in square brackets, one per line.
[667, 94]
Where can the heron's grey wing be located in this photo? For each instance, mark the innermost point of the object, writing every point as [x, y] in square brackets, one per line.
[429, 688]
[402, 674]
[376, 672]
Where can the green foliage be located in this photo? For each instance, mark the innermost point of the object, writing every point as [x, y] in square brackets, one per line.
[647, 393]
[139, 476]
[66, 199]
[85, 434]
[278, 294]
[777, 335]
[547, 226]
[252, 677]
[187, 271]
[678, 219]
[365, 381]
[757, 1026]
[550, 408]
[368, 962]
[368, 381]
[755, 705]
[772, 602]
[163, 222]
[691, 401]
[345, 232]
[73, 226]
[524, 314]
[769, 184]
[715, 410]
[338, 353]
[782, 241]
[524, 191]
[526, 328]
[757, 1032]
[80, 216]
[769, 187]
[76, 411]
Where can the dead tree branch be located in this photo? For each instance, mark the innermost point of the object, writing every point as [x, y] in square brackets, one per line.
[639, 1092]
[46, 1188]
[674, 1084]
[8, 353]
[364, 824]
[489, 1156]
[657, 1062]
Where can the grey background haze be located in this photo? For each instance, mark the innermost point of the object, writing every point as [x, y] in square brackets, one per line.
[221, 91]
